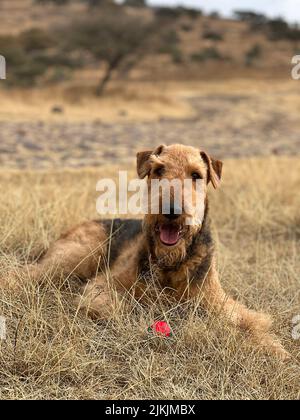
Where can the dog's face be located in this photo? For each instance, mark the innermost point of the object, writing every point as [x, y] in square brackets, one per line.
[172, 227]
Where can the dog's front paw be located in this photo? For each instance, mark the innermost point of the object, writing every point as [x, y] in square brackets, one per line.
[96, 302]
[272, 345]
[256, 322]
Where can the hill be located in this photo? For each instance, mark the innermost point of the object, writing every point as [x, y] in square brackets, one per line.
[186, 44]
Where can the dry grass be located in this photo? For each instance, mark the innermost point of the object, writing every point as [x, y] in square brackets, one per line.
[129, 100]
[123, 100]
[53, 352]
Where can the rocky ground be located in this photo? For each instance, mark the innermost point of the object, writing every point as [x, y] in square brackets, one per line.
[225, 125]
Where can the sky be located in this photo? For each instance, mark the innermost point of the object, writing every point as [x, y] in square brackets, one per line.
[289, 9]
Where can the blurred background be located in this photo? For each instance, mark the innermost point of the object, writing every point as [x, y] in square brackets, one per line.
[93, 81]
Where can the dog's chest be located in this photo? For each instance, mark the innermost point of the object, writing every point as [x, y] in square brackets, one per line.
[173, 279]
[190, 273]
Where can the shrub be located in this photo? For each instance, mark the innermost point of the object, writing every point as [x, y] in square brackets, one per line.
[177, 56]
[207, 54]
[28, 73]
[170, 37]
[12, 51]
[215, 15]
[59, 74]
[252, 54]
[186, 27]
[24, 69]
[167, 43]
[61, 58]
[31, 54]
[36, 39]
[212, 35]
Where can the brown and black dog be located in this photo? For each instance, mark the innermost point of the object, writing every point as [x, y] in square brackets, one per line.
[179, 256]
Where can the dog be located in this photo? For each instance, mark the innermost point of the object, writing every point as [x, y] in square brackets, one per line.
[179, 256]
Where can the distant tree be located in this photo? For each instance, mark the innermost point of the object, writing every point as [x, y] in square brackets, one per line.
[279, 29]
[279, 26]
[294, 34]
[276, 29]
[249, 16]
[256, 20]
[118, 40]
[177, 12]
[135, 3]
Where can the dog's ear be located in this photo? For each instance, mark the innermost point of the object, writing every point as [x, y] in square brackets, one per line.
[214, 168]
[159, 149]
[143, 161]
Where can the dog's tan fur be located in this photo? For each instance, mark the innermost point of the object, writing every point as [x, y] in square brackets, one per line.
[185, 271]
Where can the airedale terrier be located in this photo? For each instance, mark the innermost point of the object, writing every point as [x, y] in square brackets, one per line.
[180, 256]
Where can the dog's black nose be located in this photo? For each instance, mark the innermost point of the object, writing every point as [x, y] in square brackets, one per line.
[174, 213]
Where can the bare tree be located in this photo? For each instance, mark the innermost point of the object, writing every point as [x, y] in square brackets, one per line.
[115, 38]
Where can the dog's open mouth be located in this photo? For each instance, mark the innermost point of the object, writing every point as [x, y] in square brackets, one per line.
[169, 234]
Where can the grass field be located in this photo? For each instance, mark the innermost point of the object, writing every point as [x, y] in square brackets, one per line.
[222, 86]
[51, 351]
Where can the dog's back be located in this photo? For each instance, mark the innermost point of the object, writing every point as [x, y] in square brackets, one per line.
[120, 232]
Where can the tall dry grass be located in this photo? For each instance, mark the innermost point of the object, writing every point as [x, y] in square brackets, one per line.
[51, 351]
[123, 101]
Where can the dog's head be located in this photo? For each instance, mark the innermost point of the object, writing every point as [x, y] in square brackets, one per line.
[177, 179]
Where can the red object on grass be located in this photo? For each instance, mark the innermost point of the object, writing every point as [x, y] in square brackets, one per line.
[161, 328]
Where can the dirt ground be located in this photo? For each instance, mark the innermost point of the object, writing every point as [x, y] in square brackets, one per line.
[233, 119]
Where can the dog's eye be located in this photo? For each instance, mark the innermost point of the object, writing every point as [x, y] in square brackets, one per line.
[196, 175]
[159, 171]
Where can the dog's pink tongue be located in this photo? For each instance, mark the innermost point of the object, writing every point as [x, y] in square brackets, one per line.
[169, 235]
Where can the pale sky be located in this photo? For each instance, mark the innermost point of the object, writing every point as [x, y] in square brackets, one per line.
[289, 9]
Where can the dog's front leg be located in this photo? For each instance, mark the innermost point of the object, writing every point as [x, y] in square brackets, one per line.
[255, 323]
[77, 253]
[97, 298]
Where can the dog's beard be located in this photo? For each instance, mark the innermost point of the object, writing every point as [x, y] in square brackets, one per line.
[170, 256]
